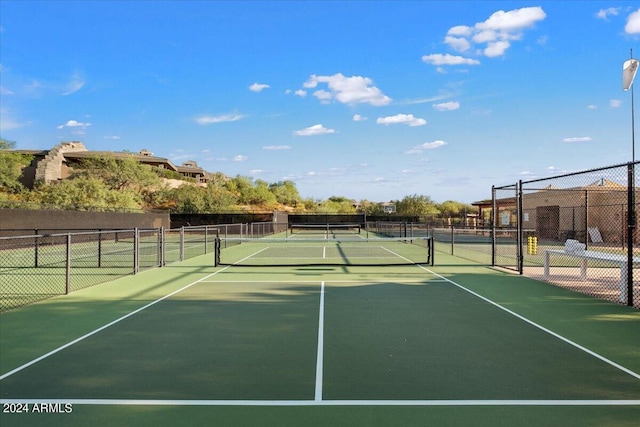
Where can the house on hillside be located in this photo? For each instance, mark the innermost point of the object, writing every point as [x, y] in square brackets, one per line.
[50, 166]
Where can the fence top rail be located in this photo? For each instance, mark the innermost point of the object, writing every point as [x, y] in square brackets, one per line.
[197, 227]
[31, 236]
[621, 165]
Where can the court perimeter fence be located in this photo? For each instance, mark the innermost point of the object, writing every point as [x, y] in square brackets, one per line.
[576, 230]
[48, 263]
[41, 263]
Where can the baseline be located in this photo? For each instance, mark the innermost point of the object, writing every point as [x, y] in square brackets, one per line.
[150, 402]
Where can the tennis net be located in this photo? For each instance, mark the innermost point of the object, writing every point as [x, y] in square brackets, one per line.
[326, 230]
[337, 250]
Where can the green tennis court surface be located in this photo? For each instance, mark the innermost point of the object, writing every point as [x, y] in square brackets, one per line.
[455, 344]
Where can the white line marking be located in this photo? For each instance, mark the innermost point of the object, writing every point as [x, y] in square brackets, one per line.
[253, 254]
[542, 328]
[102, 328]
[363, 282]
[398, 255]
[320, 356]
[149, 402]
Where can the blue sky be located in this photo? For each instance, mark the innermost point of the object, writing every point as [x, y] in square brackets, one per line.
[363, 99]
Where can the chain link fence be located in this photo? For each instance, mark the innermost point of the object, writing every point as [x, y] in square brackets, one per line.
[40, 266]
[575, 230]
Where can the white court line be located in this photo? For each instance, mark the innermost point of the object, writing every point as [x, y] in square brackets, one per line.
[361, 281]
[542, 328]
[102, 328]
[150, 402]
[320, 356]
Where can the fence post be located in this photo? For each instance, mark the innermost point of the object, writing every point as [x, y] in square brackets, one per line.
[631, 225]
[452, 237]
[519, 228]
[493, 225]
[36, 248]
[161, 246]
[136, 251]
[182, 243]
[206, 229]
[68, 266]
[99, 248]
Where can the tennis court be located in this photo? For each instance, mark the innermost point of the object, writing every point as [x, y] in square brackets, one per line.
[319, 343]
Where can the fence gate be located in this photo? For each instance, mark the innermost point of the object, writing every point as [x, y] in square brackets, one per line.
[577, 230]
[505, 239]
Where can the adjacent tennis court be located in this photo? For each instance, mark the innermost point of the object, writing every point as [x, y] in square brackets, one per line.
[321, 344]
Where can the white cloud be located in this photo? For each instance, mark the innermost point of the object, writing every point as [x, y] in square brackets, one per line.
[207, 120]
[253, 172]
[258, 87]
[240, 158]
[496, 34]
[426, 146]
[459, 44]
[276, 147]
[74, 124]
[605, 13]
[460, 31]
[591, 107]
[496, 48]
[405, 119]
[4, 91]
[513, 21]
[577, 139]
[448, 59]
[358, 118]
[447, 106]
[301, 93]
[313, 130]
[113, 137]
[615, 103]
[348, 90]
[633, 23]
[323, 96]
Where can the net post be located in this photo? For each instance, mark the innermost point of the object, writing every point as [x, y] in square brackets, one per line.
[216, 251]
[432, 252]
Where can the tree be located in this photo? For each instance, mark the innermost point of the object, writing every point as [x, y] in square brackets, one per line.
[85, 193]
[218, 198]
[11, 165]
[120, 173]
[188, 199]
[370, 208]
[285, 192]
[416, 206]
[337, 204]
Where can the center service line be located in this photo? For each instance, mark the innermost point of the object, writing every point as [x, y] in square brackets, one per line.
[319, 360]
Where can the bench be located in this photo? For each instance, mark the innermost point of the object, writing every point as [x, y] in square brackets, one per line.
[585, 256]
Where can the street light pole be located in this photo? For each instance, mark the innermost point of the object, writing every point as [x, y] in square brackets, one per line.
[629, 70]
